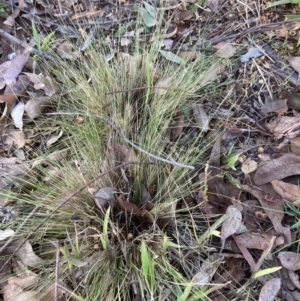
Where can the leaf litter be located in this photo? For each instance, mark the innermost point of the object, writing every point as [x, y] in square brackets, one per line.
[250, 127]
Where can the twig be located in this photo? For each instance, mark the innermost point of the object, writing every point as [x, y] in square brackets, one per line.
[181, 165]
[23, 44]
[56, 271]
[63, 203]
[142, 150]
[128, 90]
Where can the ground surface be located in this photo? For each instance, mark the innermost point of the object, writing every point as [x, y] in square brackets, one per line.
[245, 213]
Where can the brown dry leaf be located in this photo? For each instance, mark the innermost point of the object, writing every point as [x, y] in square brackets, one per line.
[287, 191]
[104, 196]
[269, 290]
[211, 74]
[233, 273]
[259, 241]
[12, 173]
[284, 125]
[11, 92]
[171, 31]
[293, 100]
[124, 154]
[201, 118]
[295, 62]
[278, 106]
[62, 294]
[277, 169]
[248, 166]
[146, 196]
[66, 50]
[42, 82]
[13, 290]
[162, 86]
[10, 70]
[295, 145]
[27, 256]
[16, 139]
[294, 279]
[232, 223]
[186, 15]
[177, 127]
[273, 206]
[225, 49]
[134, 209]
[188, 55]
[36, 105]
[290, 260]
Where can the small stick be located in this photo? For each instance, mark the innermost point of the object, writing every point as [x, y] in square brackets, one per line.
[142, 150]
[63, 203]
[56, 271]
[133, 89]
[181, 165]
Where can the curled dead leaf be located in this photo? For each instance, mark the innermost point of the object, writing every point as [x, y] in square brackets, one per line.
[134, 209]
[171, 31]
[248, 166]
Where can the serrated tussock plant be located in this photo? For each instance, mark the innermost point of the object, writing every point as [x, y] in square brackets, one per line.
[114, 254]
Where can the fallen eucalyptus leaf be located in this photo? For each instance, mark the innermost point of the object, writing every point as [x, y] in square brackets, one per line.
[287, 191]
[277, 169]
[103, 196]
[269, 290]
[231, 224]
[27, 256]
[17, 114]
[290, 260]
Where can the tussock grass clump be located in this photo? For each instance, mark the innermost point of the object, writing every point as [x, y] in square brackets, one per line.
[111, 252]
